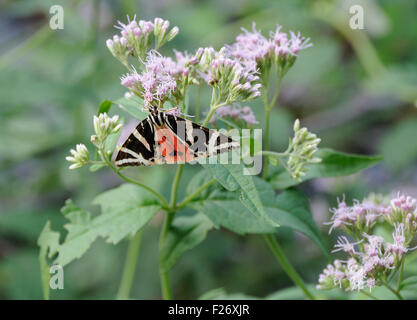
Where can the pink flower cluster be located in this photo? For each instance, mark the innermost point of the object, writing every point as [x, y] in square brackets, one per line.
[369, 264]
[372, 258]
[161, 74]
[234, 79]
[155, 82]
[360, 217]
[254, 47]
[136, 37]
[236, 112]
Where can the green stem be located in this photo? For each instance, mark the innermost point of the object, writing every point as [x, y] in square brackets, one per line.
[398, 295]
[211, 112]
[130, 267]
[268, 106]
[195, 194]
[175, 183]
[165, 285]
[400, 276]
[286, 265]
[197, 104]
[266, 142]
[123, 177]
[164, 276]
[369, 295]
[156, 194]
[276, 94]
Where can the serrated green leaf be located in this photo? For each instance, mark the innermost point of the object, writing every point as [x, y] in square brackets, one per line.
[334, 164]
[49, 243]
[202, 177]
[292, 210]
[232, 177]
[233, 215]
[185, 233]
[289, 209]
[124, 211]
[80, 233]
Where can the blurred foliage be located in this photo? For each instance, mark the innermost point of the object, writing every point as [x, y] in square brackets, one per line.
[52, 82]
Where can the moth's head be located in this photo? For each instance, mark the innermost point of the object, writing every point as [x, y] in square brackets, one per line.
[151, 108]
[154, 109]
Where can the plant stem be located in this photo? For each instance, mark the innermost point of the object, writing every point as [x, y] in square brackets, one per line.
[286, 265]
[156, 194]
[165, 285]
[123, 177]
[398, 295]
[195, 194]
[266, 142]
[400, 276]
[197, 104]
[175, 183]
[369, 295]
[163, 275]
[130, 267]
[211, 112]
[268, 106]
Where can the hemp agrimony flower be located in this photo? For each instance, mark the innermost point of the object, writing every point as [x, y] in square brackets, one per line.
[103, 127]
[136, 38]
[373, 259]
[79, 157]
[301, 149]
[242, 115]
[232, 80]
[279, 50]
[161, 32]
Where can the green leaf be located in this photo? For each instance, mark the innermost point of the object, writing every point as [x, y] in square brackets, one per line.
[232, 214]
[184, 234]
[410, 281]
[104, 107]
[334, 164]
[199, 179]
[124, 211]
[133, 106]
[292, 210]
[80, 233]
[232, 177]
[49, 243]
[289, 209]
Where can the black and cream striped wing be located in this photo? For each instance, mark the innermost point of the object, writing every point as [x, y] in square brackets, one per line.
[202, 141]
[139, 148]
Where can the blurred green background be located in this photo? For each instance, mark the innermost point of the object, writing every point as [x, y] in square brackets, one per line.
[356, 89]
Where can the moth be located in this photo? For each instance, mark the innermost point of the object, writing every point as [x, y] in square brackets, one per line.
[163, 138]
